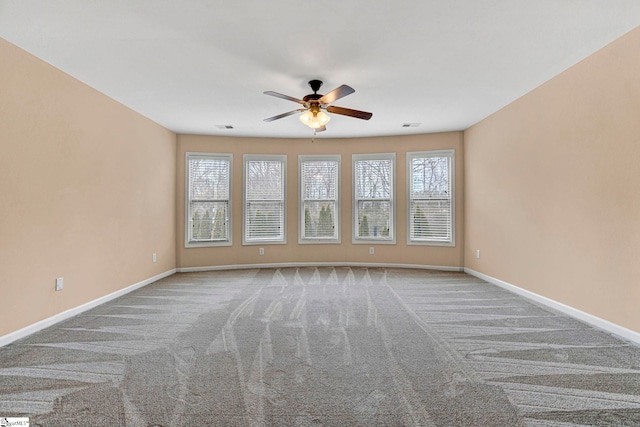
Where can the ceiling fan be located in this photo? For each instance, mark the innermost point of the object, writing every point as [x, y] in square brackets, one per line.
[314, 103]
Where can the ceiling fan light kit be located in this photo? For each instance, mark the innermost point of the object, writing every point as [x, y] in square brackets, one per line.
[314, 118]
[314, 103]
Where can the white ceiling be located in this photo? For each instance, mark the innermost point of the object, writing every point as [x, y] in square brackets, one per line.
[191, 65]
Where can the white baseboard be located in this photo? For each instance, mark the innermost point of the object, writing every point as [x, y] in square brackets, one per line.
[28, 330]
[610, 327]
[316, 264]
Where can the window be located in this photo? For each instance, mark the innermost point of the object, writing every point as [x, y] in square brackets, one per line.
[208, 210]
[373, 192]
[264, 199]
[319, 208]
[430, 187]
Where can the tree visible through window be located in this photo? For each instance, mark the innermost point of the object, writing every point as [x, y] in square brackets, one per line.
[319, 195]
[208, 199]
[374, 197]
[430, 177]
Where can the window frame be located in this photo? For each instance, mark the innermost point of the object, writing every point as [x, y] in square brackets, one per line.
[188, 243]
[355, 158]
[301, 201]
[450, 154]
[264, 157]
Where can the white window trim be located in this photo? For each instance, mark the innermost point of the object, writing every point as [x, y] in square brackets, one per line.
[319, 158]
[264, 157]
[213, 156]
[354, 204]
[436, 153]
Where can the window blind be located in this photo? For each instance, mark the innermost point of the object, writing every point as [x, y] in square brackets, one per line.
[319, 199]
[209, 179]
[374, 198]
[430, 198]
[264, 200]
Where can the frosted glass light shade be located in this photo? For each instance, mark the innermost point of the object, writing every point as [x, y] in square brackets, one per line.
[314, 119]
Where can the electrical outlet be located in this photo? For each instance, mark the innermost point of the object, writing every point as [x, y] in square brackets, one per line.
[154, 257]
[261, 251]
[59, 283]
[371, 250]
[477, 253]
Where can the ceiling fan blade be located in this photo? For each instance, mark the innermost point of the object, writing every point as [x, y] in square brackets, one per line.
[320, 129]
[335, 94]
[287, 97]
[279, 116]
[349, 112]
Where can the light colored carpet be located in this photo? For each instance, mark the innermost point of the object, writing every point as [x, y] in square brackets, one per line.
[321, 347]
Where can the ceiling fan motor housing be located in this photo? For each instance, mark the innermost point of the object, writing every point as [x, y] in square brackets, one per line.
[312, 98]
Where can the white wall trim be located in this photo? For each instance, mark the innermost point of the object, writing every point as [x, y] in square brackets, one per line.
[45, 323]
[592, 320]
[316, 264]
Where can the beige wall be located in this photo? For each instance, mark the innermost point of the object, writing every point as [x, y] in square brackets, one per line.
[550, 192]
[88, 192]
[553, 188]
[292, 252]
